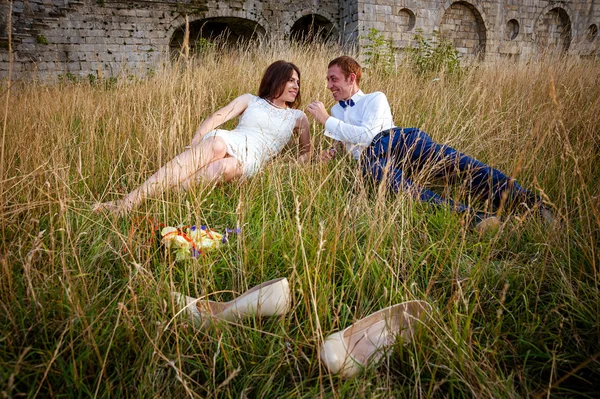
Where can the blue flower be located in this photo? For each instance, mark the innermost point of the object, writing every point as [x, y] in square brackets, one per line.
[195, 252]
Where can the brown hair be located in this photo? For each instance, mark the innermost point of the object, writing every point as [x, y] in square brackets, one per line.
[274, 80]
[348, 65]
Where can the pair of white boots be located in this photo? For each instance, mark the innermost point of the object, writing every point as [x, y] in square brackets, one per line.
[346, 352]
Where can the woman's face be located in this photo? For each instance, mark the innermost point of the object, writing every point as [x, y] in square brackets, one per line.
[291, 89]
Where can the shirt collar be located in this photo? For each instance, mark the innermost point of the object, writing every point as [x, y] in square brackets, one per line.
[357, 96]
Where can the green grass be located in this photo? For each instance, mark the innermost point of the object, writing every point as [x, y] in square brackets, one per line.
[85, 308]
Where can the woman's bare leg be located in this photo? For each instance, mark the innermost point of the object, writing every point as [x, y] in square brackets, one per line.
[175, 172]
[222, 170]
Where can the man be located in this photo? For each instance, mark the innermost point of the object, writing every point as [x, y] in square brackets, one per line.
[363, 125]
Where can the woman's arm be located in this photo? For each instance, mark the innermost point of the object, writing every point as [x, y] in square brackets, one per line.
[228, 112]
[303, 129]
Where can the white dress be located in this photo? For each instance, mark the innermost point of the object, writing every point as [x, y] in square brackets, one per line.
[262, 132]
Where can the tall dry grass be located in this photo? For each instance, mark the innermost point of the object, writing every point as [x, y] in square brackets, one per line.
[85, 305]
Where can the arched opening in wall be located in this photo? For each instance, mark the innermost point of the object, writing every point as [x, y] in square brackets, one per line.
[4, 11]
[464, 26]
[591, 33]
[313, 28]
[512, 29]
[406, 20]
[224, 30]
[553, 31]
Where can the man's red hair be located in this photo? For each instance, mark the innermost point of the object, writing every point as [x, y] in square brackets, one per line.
[348, 65]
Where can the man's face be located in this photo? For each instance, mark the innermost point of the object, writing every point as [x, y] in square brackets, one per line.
[340, 86]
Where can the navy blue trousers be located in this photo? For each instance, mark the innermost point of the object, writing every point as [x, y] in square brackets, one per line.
[404, 151]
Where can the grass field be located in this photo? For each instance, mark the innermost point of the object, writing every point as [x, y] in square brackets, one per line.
[85, 308]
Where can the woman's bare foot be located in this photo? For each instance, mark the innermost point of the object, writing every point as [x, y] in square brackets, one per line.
[116, 207]
[489, 224]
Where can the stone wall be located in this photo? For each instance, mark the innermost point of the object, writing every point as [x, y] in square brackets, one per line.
[104, 38]
[490, 30]
[349, 21]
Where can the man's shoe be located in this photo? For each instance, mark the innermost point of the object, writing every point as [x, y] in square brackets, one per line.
[271, 298]
[349, 351]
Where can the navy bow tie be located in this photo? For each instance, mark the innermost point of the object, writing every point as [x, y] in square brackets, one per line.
[349, 102]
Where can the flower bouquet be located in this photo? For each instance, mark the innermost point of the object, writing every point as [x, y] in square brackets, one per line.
[190, 242]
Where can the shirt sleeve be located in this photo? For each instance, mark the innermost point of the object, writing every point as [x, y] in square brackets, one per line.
[376, 117]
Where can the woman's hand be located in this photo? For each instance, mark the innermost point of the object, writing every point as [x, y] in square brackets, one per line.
[328, 155]
[304, 158]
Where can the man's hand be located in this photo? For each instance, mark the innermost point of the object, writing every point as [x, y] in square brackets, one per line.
[318, 111]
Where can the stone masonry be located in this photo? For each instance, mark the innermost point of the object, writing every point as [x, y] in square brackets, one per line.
[490, 30]
[103, 38]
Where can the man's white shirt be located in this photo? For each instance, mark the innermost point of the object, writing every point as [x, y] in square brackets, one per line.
[356, 126]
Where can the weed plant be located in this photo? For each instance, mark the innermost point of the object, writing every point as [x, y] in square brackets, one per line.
[85, 306]
[378, 52]
[434, 55]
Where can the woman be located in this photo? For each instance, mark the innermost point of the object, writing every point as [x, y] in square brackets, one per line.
[265, 126]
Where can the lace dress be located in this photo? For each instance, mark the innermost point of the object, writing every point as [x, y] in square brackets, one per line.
[262, 132]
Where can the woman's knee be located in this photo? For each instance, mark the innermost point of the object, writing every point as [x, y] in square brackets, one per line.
[219, 147]
[211, 147]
